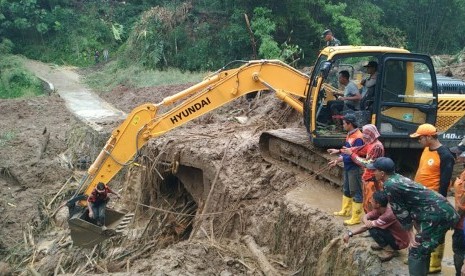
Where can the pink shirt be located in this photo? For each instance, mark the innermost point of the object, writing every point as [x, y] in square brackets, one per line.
[389, 221]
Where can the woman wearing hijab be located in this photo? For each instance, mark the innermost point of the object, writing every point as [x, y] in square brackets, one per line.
[364, 155]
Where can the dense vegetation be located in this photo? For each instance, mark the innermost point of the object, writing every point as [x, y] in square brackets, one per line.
[206, 34]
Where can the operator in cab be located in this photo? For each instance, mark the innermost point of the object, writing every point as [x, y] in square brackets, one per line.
[369, 83]
[347, 100]
[97, 201]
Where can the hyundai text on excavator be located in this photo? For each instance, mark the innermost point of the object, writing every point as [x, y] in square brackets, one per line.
[401, 103]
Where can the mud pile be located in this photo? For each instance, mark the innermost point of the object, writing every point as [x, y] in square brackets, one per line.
[240, 195]
[450, 65]
[32, 137]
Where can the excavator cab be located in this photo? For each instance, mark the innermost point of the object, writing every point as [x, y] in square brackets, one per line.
[399, 105]
[324, 125]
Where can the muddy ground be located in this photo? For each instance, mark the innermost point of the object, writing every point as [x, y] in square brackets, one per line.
[280, 208]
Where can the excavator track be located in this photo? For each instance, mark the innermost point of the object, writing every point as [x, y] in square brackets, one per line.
[292, 147]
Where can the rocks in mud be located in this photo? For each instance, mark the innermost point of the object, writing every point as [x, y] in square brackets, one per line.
[226, 273]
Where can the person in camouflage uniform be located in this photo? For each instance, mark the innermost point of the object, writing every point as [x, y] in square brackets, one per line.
[328, 36]
[414, 205]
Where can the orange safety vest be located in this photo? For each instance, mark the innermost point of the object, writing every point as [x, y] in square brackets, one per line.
[429, 169]
[350, 138]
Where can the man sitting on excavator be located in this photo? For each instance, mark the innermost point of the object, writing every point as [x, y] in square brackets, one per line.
[349, 100]
[97, 202]
[368, 94]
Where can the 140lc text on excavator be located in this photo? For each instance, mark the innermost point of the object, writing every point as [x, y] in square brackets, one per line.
[401, 103]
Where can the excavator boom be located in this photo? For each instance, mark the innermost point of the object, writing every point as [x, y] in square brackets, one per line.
[144, 123]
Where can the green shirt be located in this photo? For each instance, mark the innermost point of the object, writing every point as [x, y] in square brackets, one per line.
[333, 42]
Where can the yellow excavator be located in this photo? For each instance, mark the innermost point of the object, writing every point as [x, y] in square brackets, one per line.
[406, 95]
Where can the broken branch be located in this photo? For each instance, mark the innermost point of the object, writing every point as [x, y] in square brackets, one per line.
[43, 146]
[261, 259]
[59, 191]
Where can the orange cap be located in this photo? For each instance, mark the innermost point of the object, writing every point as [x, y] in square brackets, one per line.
[425, 130]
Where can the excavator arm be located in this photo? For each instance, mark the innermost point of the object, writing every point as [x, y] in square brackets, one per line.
[143, 123]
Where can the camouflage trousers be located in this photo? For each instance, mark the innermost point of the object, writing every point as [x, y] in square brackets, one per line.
[430, 235]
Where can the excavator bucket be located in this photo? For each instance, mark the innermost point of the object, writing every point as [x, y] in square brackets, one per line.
[86, 234]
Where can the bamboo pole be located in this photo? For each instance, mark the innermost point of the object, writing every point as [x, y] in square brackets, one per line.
[59, 191]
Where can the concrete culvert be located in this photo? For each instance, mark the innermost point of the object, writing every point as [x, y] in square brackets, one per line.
[174, 207]
[183, 204]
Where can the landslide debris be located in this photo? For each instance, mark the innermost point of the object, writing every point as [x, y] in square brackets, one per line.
[182, 227]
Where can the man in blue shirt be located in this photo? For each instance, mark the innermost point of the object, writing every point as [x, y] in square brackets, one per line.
[352, 184]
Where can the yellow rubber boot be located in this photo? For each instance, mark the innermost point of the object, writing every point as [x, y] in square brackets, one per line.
[436, 259]
[346, 207]
[356, 214]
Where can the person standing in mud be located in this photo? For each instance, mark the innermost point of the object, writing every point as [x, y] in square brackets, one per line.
[436, 162]
[383, 227]
[417, 207]
[435, 173]
[352, 182]
[97, 201]
[372, 149]
[458, 238]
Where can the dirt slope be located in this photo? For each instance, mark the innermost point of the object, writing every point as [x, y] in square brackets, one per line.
[32, 136]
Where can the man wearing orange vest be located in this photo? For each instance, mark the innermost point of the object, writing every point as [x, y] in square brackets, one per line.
[435, 173]
[458, 238]
[352, 183]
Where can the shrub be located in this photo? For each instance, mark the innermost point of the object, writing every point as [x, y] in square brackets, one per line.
[6, 46]
[16, 81]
